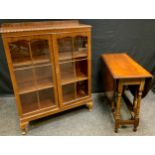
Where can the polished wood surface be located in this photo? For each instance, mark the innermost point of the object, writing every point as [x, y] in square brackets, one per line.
[38, 26]
[50, 67]
[122, 66]
[120, 73]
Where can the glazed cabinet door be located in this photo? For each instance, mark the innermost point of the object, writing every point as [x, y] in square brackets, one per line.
[32, 66]
[72, 52]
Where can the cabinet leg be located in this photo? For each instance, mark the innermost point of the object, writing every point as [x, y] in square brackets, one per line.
[89, 105]
[24, 127]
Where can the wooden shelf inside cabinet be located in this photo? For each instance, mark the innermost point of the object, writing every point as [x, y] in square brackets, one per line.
[34, 108]
[80, 54]
[72, 79]
[68, 98]
[49, 67]
[69, 55]
[36, 61]
[82, 94]
[47, 103]
[31, 66]
[27, 88]
[73, 60]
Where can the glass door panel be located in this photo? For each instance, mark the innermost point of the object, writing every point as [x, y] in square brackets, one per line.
[65, 48]
[80, 46]
[73, 65]
[44, 78]
[25, 80]
[42, 65]
[20, 53]
[81, 70]
[69, 93]
[46, 98]
[40, 51]
[82, 89]
[29, 102]
[24, 74]
[33, 72]
[67, 71]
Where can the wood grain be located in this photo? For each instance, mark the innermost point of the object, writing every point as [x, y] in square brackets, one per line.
[122, 66]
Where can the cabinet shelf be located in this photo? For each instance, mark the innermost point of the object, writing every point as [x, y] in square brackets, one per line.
[72, 60]
[20, 64]
[32, 111]
[47, 103]
[67, 79]
[32, 67]
[80, 54]
[41, 85]
[72, 55]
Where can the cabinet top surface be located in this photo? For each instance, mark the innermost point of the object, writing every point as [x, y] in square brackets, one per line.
[38, 26]
[123, 66]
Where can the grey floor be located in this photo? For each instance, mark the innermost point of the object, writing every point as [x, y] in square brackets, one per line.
[79, 121]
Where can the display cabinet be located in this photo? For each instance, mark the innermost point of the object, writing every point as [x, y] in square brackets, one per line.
[50, 67]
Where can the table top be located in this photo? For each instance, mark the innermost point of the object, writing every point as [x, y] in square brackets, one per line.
[123, 66]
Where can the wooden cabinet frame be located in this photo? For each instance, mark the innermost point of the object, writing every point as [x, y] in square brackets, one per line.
[50, 31]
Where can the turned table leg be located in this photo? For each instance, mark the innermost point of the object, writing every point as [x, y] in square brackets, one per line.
[113, 106]
[137, 108]
[135, 101]
[113, 103]
[118, 106]
[137, 111]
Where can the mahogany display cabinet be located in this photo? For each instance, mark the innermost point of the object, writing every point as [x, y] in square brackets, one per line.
[50, 67]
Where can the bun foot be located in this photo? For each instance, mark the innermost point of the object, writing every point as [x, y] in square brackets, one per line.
[24, 132]
[90, 105]
[24, 126]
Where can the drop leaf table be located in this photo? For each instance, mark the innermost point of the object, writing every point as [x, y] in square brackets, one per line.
[120, 73]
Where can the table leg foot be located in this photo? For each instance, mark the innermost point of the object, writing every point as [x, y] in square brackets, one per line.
[116, 130]
[134, 129]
